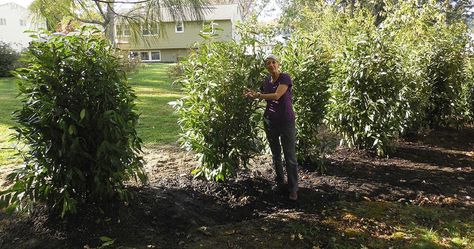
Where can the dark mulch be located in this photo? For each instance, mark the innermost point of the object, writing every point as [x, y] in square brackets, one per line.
[177, 211]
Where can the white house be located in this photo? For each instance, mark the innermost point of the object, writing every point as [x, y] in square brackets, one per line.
[14, 21]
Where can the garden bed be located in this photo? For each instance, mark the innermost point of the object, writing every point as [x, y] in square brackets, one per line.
[420, 196]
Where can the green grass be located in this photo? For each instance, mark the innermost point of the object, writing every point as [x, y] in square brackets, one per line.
[8, 102]
[413, 226]
[158, 122]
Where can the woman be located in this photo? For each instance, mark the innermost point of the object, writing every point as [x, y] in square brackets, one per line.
[280, 123]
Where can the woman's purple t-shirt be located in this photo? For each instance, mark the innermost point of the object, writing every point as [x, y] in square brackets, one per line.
[279, 110]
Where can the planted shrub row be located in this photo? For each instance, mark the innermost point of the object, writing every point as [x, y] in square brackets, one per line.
[370, 79]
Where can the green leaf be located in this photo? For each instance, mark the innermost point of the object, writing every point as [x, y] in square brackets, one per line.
[105, 239]
[72, 129]
[11, 208]
[79, 173]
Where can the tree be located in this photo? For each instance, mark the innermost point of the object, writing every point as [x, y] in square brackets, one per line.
[53, 13]
[105, 12]
[454, 9]
[8, 59]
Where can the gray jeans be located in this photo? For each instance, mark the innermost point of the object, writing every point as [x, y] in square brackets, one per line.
[287, 132]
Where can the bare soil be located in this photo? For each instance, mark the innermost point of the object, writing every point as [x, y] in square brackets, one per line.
[177, 211]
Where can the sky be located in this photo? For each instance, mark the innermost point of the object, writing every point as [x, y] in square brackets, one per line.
[23, 3]
[272, 11]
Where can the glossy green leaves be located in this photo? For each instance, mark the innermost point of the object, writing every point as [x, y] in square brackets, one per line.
[78, 122]
[304, 58]
[218, 123]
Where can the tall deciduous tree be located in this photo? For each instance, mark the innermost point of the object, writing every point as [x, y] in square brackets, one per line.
[105, 12]
[454, 9]
[52, 13]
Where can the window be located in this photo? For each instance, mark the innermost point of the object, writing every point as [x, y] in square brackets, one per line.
[3, 21]
[122, 30]
[179, 27]
[150, 29]
[22, 22]
[148, 56]
[145, 56]
[156, 56]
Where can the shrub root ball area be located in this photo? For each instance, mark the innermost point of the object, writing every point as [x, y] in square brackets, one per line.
[360, 199]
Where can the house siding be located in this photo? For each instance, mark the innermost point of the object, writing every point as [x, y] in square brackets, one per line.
[169, 39]
[15, 21]
[173, 55]
[174, 45]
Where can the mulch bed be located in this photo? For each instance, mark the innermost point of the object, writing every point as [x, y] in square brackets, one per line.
[176, 211]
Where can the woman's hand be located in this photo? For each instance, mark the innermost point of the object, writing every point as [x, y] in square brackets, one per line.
[251, 94]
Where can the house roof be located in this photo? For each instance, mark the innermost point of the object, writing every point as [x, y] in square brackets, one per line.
[209, 13]
[212, 12]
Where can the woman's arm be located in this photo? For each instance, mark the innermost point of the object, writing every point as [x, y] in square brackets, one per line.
[282, 88]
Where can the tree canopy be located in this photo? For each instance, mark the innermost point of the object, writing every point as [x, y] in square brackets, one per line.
[105, 12]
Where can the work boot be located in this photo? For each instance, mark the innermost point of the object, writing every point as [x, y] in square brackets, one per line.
[293, 196]
[280, 188]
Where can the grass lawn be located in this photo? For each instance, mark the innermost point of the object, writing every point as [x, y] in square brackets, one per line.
[158, 122]
[8, 91]
[153, 88]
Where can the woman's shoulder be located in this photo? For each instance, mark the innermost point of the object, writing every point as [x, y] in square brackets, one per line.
[285, 75]
[286, 78]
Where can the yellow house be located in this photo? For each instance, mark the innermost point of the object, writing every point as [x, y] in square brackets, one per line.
[172, 39]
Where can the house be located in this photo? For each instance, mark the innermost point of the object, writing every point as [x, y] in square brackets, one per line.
[14, 21]
[172, 39]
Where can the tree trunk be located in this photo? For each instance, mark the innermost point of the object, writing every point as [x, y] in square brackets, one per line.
[378, 12]
[351, 7]
[110, 23]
